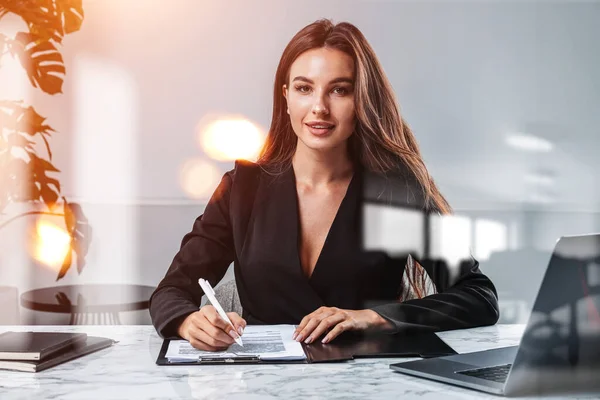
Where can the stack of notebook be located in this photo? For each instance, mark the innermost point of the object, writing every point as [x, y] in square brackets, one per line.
[36, 351]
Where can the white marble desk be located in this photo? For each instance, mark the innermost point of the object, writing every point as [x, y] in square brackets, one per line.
[127, 370]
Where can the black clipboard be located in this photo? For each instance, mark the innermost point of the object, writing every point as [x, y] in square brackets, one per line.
[347, 346]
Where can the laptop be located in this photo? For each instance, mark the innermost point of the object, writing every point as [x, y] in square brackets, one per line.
[560, 348]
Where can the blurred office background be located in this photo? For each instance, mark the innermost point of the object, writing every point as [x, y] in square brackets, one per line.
[160, 96]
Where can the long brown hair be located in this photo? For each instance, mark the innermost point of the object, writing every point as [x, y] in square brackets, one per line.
[381, 140]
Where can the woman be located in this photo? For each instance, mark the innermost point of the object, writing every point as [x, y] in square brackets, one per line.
[291, 222]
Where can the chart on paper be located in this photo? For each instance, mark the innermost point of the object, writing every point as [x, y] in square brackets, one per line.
[268, 342]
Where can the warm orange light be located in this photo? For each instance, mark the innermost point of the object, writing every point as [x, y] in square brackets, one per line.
[199, 178]
[228, 139]
[52, 244]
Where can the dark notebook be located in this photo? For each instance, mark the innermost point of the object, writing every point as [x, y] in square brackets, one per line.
[75, 350]
[352, 345]
[347, 346]
[35, 346]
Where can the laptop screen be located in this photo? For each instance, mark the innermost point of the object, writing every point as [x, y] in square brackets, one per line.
[561, 343]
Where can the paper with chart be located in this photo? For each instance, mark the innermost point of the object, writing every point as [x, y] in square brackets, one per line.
[268, 342]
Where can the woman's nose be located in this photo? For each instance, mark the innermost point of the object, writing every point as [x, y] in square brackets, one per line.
[320, 106]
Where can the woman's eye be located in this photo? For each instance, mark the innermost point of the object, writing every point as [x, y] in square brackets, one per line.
[340, 90]
[303, 89]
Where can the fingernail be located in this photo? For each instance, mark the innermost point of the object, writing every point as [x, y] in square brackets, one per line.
[324, 340]
[233, 334]
[308, 340]
[294, 336]
[240, 330]
[299, 338]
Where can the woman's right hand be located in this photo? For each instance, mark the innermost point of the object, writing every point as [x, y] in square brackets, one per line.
[206, 330]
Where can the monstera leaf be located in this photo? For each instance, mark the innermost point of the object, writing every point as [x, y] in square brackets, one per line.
[80, 232]
[28, 181]
[48, 19]
[41, 59]
[20, 120]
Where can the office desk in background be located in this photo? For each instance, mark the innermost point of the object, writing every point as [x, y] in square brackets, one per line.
[127, 370]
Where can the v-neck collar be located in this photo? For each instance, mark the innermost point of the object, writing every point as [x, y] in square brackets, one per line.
[296, 228]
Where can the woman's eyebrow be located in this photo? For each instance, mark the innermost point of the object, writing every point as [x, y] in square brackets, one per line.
[342, 80]
[333, 81]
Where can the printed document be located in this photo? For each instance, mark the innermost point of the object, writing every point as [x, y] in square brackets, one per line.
[268, 342]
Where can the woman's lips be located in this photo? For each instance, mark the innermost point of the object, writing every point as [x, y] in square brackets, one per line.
[320, 131]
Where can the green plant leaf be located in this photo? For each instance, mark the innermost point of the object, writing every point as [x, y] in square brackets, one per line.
[41, 59]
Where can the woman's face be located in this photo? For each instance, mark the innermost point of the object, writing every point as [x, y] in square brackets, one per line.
[320, 98]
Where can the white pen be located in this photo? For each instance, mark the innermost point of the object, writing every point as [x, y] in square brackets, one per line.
[210, 294]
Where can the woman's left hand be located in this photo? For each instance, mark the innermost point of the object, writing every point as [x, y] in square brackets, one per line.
[338, 320]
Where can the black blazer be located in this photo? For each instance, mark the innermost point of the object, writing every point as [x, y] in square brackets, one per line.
[255, 225]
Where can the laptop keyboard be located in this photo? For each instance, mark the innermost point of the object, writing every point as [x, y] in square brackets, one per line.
[497, 373]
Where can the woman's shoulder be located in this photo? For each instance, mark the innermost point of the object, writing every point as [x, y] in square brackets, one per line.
[244, 176]
[245, 164]
[242, 167]
[250, 179]
[245, 169]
